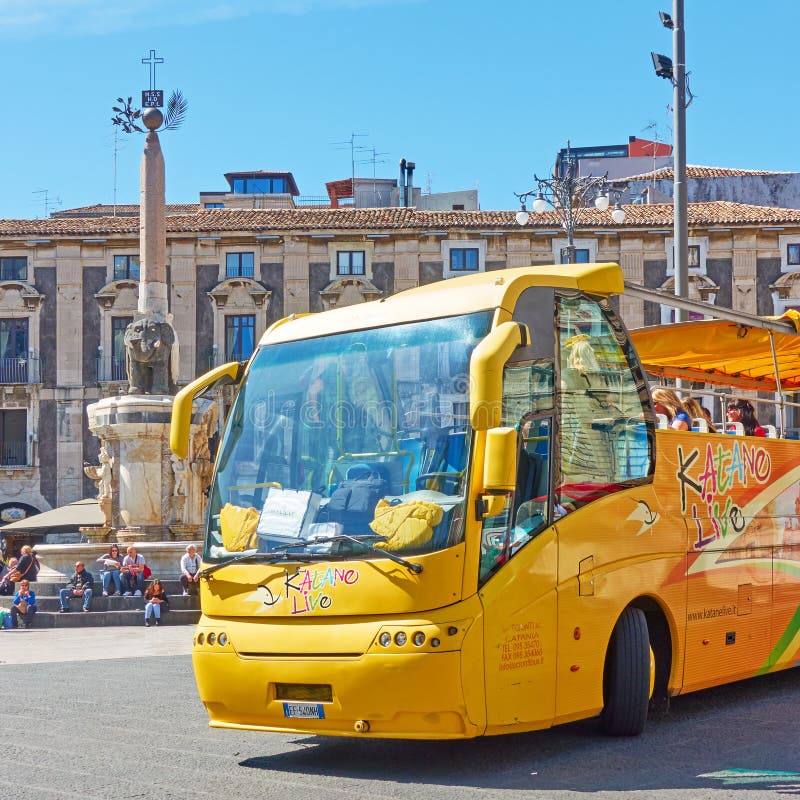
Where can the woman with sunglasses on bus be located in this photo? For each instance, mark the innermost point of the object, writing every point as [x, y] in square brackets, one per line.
[742, 411]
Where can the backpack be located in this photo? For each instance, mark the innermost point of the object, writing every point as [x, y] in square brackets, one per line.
[353, 501]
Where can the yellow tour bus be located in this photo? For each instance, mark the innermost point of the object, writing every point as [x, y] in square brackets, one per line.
[452, 513]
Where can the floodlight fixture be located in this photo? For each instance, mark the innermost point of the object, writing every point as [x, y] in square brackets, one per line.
[666, 20]
[662, 65]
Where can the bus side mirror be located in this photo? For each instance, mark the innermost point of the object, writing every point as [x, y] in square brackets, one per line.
[182, 405]
[500, 460]
[486, 373]
[499, 469]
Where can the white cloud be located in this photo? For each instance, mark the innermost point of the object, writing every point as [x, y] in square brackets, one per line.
[34, 18]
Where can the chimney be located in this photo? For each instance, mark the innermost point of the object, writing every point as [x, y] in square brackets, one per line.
[402, 184]
[410, 165]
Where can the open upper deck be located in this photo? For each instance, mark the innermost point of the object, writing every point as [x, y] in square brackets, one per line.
[723, 353]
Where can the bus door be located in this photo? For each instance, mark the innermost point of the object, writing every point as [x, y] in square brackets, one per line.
[518, 571]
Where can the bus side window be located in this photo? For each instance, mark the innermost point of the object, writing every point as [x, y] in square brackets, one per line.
[527, 405]
[605, 420]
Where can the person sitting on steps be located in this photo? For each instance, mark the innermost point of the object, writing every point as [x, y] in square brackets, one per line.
[7, 585]
[190, 569]
[24, 606]
[132, 573]
[28, 565]
[80, 585]
[111, 563]
[157, 602]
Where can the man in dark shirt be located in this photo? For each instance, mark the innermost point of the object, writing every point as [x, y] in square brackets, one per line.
[80, 585]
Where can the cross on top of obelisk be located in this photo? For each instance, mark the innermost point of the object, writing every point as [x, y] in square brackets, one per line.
[152, 61]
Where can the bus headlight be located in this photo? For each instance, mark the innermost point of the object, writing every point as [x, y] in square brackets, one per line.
[222, 639]
[211, 638]
[418, 638]
[400, 638]
[385, 639]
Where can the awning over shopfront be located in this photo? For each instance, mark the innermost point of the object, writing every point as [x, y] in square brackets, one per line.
[724, 353]
[65, 519]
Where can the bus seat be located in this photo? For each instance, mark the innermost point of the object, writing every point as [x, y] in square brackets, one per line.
[662, 421]
[456, 451]
[700, 425]
[632, 450]
[445, 463]
[771, 431]
[735, 428]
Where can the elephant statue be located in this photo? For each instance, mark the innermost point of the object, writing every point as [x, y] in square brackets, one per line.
[148, 346]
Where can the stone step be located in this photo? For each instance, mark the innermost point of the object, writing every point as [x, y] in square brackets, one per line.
[97, 619]
[116, 603]
[171, 587]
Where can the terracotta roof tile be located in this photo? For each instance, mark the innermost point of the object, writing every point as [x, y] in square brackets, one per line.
[121, 209]
[221, 221]
[693, 171]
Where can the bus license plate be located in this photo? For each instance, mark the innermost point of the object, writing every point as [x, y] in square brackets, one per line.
[304, 710]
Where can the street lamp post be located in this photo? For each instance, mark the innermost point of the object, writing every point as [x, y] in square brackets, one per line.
[675, 71]
[568, 195]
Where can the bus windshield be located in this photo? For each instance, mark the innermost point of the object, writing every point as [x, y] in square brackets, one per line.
[348, 445]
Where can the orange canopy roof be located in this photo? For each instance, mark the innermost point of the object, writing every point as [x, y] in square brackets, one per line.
[722, 352]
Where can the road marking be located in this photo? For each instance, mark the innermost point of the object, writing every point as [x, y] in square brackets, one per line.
[730, 777]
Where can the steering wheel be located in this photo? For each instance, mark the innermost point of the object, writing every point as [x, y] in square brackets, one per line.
[441, 479]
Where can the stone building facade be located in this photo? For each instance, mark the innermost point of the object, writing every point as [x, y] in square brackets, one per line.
[69, 286]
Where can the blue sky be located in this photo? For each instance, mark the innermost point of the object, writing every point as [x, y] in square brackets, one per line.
[475, 93]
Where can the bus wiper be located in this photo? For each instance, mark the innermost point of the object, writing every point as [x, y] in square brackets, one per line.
[282, 553]
[409, 565]
[359, 540]
[267, 557]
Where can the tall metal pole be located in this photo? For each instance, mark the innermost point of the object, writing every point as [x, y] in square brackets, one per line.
[681, 241]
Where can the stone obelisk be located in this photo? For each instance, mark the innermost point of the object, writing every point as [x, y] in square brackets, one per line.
[154, 498]
[152, 223]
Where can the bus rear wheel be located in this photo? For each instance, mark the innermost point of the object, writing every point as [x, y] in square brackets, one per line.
[627, 678]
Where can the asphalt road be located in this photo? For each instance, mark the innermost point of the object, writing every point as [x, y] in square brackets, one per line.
[133, 728]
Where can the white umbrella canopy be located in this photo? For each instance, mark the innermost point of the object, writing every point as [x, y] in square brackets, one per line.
[82, 513]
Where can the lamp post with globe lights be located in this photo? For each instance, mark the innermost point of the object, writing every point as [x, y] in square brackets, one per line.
[567, 195]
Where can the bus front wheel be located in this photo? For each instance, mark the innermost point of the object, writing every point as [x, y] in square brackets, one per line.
[627, 676]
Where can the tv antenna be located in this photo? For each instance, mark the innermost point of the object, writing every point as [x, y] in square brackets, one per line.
[373, 159]
[48, 202]
[354, 148]
[653, 127]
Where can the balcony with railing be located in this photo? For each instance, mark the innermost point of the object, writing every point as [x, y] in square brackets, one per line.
[21, 369]
[111, 369]
[14, 453]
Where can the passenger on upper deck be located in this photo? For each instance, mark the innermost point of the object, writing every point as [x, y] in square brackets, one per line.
[742, 411]
[696, 411]
[709, 419]
[666, 402]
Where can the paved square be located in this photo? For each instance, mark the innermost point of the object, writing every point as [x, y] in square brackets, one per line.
[48, 645]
